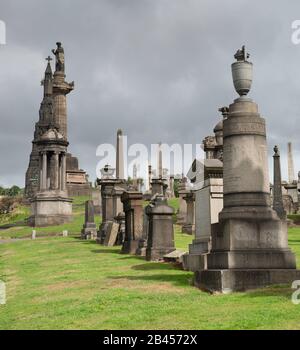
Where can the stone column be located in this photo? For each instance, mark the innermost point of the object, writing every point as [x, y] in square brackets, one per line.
[41, 172]
[56, 170]
[171, 185]
[63, 172]
[44, 171]
[120, 156]
[291, 173]
[277, 187]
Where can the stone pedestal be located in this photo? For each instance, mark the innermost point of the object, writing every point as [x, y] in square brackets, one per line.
[249, 245]
[50, 208]
[89, 230]
[161, 232]
[108, 205]
[133, 208]
[189, 226]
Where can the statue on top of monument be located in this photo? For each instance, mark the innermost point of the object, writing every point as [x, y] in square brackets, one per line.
[60, 58]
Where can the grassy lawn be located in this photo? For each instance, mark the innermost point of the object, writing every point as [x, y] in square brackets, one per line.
[66, 283]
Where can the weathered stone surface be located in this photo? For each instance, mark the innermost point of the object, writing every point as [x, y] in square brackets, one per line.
[111, 234]
[89, 230]
[161, 232]
[133, 209]
[249, 244]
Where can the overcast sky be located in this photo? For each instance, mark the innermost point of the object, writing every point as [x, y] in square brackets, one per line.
[158, 69]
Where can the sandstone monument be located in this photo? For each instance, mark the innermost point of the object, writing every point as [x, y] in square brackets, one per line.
[50, 204]
[75, 178]
[249, 244]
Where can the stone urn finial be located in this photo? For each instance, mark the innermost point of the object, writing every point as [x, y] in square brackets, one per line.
[276, 151]
[242, 72]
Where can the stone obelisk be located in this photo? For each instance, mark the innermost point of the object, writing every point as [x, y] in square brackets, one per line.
[291, 172]
[277, 186]
[249, 244]
[120, 156]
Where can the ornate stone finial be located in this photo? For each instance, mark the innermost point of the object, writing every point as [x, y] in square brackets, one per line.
[276, 151]
[241, 54]
[224, 110]
[119, 132]
[242, 72]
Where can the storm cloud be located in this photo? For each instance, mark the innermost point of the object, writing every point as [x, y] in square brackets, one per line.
[158, 69]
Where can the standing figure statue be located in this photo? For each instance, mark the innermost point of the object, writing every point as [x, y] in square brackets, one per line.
[60, 58]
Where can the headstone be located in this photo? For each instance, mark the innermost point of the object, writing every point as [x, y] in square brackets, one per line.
[89, 230]
[133, 209]
[112, 234]
[182, 191]
[33, 234]
[161, 232]
[189, 225]
[249, 244]
[65, 233]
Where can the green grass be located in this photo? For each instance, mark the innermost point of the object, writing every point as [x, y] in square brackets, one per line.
[66, 283]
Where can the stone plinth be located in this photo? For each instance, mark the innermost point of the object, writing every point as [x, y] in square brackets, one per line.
[133, 209]
[89, 230]
[50, 208]
[161, 232]
[182, 192]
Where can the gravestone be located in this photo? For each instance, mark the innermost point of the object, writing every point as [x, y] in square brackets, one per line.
[89, 230]
[189, 225]
[112, 234]
[161, 232]
[133, 209]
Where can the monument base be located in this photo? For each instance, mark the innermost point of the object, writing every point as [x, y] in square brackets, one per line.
[228, 281]
[194, 262]
[130, 247]
[188, 229]
[49, 210]
[155, 254]
[89, 231]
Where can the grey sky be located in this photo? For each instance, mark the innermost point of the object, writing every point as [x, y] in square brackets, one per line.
[158, 69]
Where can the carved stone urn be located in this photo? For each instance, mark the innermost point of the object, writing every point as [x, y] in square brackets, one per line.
[242, 72]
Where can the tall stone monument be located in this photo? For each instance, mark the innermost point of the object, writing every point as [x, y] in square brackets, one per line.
[50, 204]
[249, 245]
[60, 90]
[291, 171]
